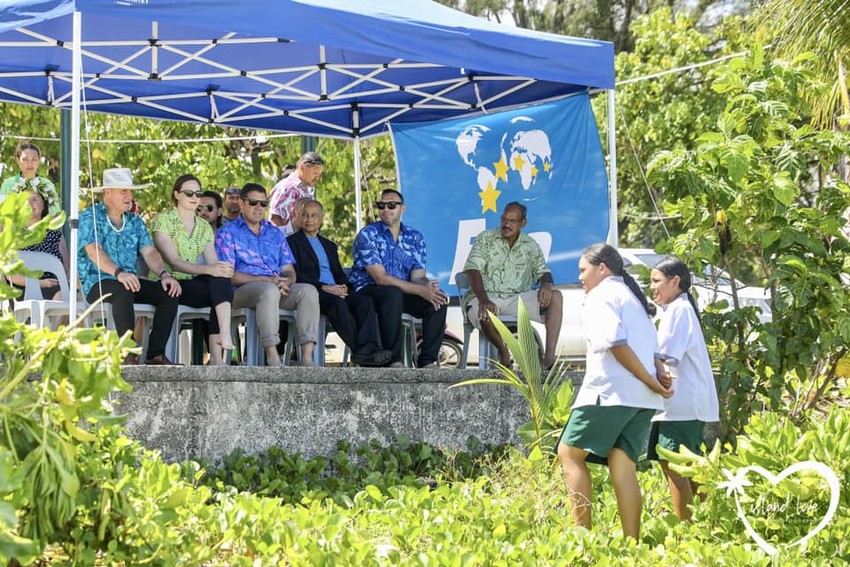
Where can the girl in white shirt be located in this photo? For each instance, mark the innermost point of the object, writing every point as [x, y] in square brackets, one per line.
[681, 348]
[611, 416]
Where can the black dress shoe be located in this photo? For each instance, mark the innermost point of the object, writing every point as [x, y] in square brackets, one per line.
[131, 360]
[373, 359]
[159, 360]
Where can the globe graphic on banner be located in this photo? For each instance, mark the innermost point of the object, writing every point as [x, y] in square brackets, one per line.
[520, 152]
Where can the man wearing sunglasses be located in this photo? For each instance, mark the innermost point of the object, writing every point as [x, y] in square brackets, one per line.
[299, 184]
[209, 209]
[232, 205]
[264, 276]
[389, 267]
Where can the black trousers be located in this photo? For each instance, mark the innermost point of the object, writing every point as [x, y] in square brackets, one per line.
[207, 291]
[353, 319]
[125, 316]
[390, 302]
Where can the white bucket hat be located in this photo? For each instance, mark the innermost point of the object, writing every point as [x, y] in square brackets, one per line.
[118, 178]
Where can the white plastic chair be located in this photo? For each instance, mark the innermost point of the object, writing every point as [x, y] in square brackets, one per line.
[486, 350]
[43, 312]
[409, 351]
[184, 315]
[102, 314]
[33, 306]
[255, 355]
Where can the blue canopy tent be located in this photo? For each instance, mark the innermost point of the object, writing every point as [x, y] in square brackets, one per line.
[342, 68]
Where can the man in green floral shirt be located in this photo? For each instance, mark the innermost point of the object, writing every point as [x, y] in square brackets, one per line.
[502, 267]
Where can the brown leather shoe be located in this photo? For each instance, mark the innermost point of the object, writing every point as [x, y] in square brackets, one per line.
[131, 360]
[159, 360]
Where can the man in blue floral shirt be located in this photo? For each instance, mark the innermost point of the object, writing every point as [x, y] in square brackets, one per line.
[111, 238]
[389, 267]
[264, 276]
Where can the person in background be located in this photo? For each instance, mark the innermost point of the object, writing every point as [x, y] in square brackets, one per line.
[28, 157]
[209, 209]
[232, 205]
[352, 315]
[620, 392]
[110, 242]
[502, 266]
[182, 237]
[298, 184]
[264, 276]
[389, 268]
[683, 356]
[53, 244]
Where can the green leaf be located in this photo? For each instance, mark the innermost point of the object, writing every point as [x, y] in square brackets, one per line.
[784, 189]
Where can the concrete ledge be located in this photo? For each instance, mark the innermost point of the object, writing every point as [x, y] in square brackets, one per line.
[207, 412]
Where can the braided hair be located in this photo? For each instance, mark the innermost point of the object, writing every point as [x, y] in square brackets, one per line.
[602, 253]
[672, 266]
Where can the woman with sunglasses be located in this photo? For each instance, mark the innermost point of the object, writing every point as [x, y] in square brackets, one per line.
[186, 243]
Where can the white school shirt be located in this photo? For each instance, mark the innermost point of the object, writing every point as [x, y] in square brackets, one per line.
[613, 316]
[681, 345]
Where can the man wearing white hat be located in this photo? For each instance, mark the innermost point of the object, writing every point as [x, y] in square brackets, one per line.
[110, 241]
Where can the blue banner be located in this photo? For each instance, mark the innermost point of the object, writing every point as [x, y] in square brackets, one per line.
[458, 175]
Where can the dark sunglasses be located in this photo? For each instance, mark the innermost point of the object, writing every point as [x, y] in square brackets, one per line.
[391, 205]
[198, 194]
[314, 162]
[209, 208]
[233, 191]
[255, 202]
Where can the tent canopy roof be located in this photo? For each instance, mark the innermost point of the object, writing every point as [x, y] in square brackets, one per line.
[340, 68]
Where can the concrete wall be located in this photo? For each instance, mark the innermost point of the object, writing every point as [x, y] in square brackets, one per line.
[205, 412]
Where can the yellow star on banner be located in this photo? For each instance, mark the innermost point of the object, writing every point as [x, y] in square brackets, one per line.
[519, 163]
[488, 198]
[534, 171]
[501, 169]
[547, 165]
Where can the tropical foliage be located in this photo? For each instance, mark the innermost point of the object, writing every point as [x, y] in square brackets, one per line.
[548, 394]
[760, 193]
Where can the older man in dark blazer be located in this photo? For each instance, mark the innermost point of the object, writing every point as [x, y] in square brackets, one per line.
[352, 315]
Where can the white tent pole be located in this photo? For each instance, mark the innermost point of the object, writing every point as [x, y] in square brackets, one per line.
[358, 197]
[74, 181]
[613, 236]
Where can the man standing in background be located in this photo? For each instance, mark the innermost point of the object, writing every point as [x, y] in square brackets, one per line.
[299, 184]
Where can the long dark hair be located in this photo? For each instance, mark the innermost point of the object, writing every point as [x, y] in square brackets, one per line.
[672, 266]
[602, 253]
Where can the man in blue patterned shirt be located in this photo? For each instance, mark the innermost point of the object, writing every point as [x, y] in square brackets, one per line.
[110, 241]
[265, 278]
[389, 267]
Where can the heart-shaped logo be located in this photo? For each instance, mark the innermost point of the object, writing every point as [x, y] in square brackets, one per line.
[737, 482]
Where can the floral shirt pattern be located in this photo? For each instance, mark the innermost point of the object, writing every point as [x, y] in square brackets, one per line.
[49, 245]
[189, 246]
[505, 271]
[283, 197]
[122, 245]
[17, 184]
[249, 253]
[374, 245]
